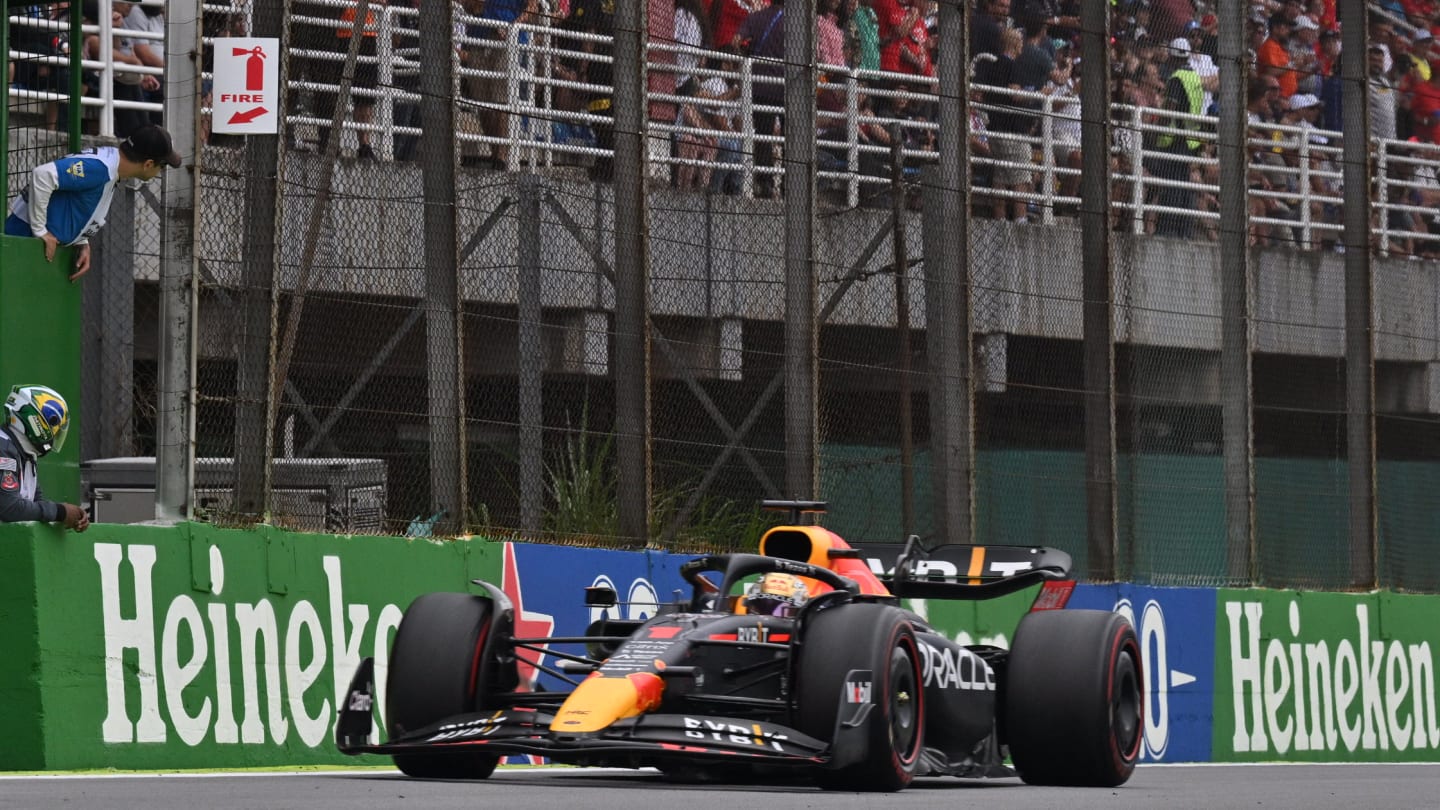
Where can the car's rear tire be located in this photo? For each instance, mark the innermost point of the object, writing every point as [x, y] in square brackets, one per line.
[1074, 711]
[873, 637]
[436, 672]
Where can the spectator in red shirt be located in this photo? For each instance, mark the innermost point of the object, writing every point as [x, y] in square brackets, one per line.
[897, 19]
[1323, 12]
[1329, 52]
[1425, 107]
[1411, 72]
[1420, 9]
[914, 52]
[727, 15]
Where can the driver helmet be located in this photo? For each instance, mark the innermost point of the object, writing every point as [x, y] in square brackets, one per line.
[776, 595]
[38, 417]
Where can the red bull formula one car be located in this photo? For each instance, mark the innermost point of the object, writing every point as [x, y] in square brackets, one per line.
[800, 657]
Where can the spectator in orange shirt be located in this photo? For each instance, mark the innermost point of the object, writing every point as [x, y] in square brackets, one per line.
[366, 78]
[1273, 58]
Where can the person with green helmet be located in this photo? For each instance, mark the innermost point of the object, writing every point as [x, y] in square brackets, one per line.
[36, 422]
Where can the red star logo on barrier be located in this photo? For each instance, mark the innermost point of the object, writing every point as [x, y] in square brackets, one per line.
[528, 624]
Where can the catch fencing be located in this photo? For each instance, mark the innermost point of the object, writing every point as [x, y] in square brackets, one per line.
[532, 313]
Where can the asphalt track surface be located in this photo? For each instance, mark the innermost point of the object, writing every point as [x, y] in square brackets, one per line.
[1279, 786]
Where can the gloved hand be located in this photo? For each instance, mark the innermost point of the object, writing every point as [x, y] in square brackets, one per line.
[75, 517]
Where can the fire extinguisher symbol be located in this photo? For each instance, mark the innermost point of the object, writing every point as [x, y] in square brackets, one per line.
[254, 67]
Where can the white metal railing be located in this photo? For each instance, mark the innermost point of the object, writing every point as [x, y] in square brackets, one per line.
[104, 66]
[391, 62]
[1296, 187]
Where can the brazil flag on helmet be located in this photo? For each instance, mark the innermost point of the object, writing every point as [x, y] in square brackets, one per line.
[41, 415]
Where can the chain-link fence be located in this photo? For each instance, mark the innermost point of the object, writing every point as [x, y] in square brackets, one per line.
[587, 272]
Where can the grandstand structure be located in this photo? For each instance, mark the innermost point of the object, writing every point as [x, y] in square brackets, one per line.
[548, 132]
[537, 218]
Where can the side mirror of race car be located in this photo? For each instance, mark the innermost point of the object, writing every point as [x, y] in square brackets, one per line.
[600, 596]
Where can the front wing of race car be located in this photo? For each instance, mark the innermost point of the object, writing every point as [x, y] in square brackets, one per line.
[645, 738]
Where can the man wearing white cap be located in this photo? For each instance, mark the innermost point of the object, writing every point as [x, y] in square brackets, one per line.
[1321, 181]
[1305, 55]
[1304, 110]
[1423, 44]
[1204, 66]
[1413, 55]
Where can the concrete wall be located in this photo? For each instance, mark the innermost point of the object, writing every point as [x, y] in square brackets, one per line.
[720, 260]
[721, 257]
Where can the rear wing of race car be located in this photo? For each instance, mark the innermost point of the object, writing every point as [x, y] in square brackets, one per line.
[962, 571]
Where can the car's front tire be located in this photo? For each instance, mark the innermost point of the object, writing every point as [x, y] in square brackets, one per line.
[436, 672]
[880, 639]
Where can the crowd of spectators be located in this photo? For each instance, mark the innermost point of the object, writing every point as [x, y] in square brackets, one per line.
[1025, 58]
[32, 36]
[43, 39]
[1164, 58]
[1162, 49]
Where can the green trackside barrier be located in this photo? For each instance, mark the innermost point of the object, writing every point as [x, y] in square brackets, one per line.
[40, 343]
[249, 637]
[1325, 677]
[284, 618]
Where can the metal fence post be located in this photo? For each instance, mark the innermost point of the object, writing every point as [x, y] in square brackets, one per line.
[108, 335]
[444, 347]
[264, 222]
[1359, 297]
[531, 370]
[175, 425]
[947, 291]
[1098, 289]
[632, 273]
[1236, 380]
[802, 440]
[901, 261]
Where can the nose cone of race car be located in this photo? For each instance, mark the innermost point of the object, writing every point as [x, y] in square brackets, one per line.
[600, 700]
